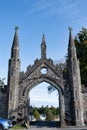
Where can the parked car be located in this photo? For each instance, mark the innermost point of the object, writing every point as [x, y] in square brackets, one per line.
[5, 124]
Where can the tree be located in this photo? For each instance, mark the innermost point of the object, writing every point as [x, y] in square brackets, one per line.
[49, 116]
[36, 115]
[81, 48]
[51, 88]
[54, 110]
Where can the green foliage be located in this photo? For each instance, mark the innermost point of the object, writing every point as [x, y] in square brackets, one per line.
[81, 48]
[55, 111]
[51, 112]
[41, 110]
[51, 88]
[49, 115]
[36, 115]
[18, 127]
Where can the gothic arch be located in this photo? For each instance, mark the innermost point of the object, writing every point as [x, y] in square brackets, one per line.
[40, 80]
[44, 78]
[33, 76]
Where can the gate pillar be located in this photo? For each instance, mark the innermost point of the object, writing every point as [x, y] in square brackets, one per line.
[26, 114]
[62, 111]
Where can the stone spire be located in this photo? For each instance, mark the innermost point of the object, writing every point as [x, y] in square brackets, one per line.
[74, 82]
[71, 46]
[13, 76]
[15, 45]
[43, 47]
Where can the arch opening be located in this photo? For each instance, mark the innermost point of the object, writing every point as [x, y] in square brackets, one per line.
[31, 85]
[44, 105]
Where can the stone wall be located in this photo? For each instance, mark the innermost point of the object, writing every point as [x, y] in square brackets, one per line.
[85, 104]
[3, 102]
[84, 92]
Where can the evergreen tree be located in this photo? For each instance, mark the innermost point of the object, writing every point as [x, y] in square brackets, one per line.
[81, 48]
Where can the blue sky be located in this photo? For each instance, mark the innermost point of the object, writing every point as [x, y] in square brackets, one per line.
[39, 96]
[35, 17]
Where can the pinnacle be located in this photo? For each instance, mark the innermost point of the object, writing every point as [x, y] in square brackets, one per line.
[70, 29]
[43, 38]
[16, 28]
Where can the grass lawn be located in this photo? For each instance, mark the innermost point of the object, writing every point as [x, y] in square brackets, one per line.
[18, 127]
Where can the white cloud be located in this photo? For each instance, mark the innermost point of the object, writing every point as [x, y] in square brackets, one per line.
[43, 6]
[44, 103]
[39, 95]
[70, 9]
[54, 6]
[44, 100]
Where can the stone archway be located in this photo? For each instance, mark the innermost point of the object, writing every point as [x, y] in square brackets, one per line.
[30, 83]
[68, 85]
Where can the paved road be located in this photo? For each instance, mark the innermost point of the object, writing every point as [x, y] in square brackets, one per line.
[50, 126]
[45, 128]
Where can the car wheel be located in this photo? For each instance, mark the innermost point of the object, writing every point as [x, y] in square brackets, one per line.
[1, 128]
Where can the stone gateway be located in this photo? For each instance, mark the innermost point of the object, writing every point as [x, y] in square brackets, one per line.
[14, 100]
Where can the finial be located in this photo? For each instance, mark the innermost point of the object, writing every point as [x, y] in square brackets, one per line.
[70, 29]
[16, 28]
[43, 38]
